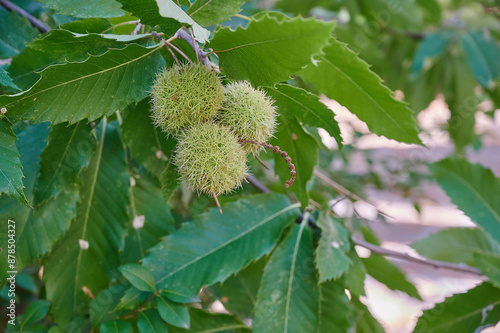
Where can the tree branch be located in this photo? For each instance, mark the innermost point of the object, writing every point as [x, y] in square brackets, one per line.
[404, 256]
[380, 250]
[182, 34]
[33, 20]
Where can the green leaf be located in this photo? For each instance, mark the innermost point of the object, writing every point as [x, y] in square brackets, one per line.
[303, 150]
[151, 218]
[149, 13]
[150, 322]
[433, 45]
[340, 74]
[102, 306]
[306, 107]
[116, 326]
[209, 12]
[35, 311]
[15, 32]
[239, 292]
[47, 223]
[68, 152]
[460, 313]
[87, 26]
[262, 52]
[88, 90]
[474, 189]
[30, 145]
[400, 15]
[138, 276]
[131, 299]
[331, 258]
[203, 321]
[6, 81]
[460, 96]
[288, 297]
[489, 264]
[11, 176]
[483, 53]
[456, 245]
[214, 246]
[88, 253]
[432, 10]
[355, 277]
[173, 313]
[24, 65]
[181, 296]
[66, 46]
[334, 309]
[86, 9]
[147, 144]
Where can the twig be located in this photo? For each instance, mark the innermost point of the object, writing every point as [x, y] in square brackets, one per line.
[337, 187]
[136, 29]
[257, 184]
[182, 34]
[404, 256]
[33, 20]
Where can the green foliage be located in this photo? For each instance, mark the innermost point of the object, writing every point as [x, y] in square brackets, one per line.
[471, 188]
[461, 313]
[361, 91]
[116, 239]
[10, 167]
[288, 297]
[266, 40]
[88, 90]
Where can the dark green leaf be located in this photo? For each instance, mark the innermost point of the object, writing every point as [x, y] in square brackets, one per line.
[181, 296]
[474, 189]
[88, 253]
[88, 90]
[334, 309]
[238, 293]
[25, 67]
[147, 144]
[173, 313]
[461, 99]
[260, 52]
[116, 326]
[303, 150]
[288, 297]
[85, 9]
[15, 32]
[65, 46]
[209, 12]
[431, 46]
[489, 264]
[364, 321]
[138, 276]
[306, 107]
[151, 218]
[214, 246]
[432, 10]
[68, 152]
[131, 299]
[169, 180]
[355, 277]
[35, 312]
[203, 321]
[483, 53]
[89, 25]
[456, 245]
[101, 308]
[460, 313]
[401, 15]
[331, 258]
[150, 322]
[11, 176]
[6, 81]
[341, 75]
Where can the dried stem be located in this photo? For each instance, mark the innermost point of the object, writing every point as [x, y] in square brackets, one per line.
[169, 45]
[217, 202]
[276, 149]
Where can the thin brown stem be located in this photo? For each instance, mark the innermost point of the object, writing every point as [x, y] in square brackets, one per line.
[260, 161]
[217, 202]
[424, 261]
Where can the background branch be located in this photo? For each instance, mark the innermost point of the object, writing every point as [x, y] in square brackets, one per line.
[33, 20]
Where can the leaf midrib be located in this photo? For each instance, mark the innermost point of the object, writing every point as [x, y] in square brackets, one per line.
[292, 271]
[87, 211]
[229, 241]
